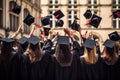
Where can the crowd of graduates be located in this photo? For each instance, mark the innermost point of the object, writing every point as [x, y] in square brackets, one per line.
[59, 56]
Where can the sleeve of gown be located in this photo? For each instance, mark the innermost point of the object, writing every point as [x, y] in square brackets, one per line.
[77, 48]
[47, 47]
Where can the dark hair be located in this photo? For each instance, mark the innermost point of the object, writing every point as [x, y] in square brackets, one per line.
[64, 55]
[34, 47]
[6, 50]
[110, 51]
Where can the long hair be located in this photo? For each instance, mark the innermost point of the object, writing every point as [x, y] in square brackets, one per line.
[6, 50]
[63, 54]
[109, 53]
[34, 52]
[90, 55]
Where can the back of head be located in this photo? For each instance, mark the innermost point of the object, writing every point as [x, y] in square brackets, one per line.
[63, 54]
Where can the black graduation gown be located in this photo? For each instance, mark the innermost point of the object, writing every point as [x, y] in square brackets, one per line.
[112, 72]
[89, 71]
[5, 66]
[57, 72]
[19, 67]
[39, 69]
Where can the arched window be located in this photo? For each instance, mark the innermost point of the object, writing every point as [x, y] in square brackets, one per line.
[53, 6]
[92, 5]
[14, 18]
[72, 10]
[26, 27]
[116, 6]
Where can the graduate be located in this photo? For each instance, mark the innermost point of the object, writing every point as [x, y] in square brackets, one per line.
[38, 60]
[64, 63]
[6, 56]
[111, 61]
[90, 63]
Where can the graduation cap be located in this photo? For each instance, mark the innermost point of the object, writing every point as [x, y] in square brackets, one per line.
[75, 26]
[33, 40]
[116, 14]
[22, 40]
[63, 40]
[59, 23]
[58, 14]
[76, 18]
[89, 43]
[28, 20]
[114, 36]
[95, 21]
[87, 14]
[109, 43]
[45, 20]
[16, 9]
[7, 40]
[46, 30]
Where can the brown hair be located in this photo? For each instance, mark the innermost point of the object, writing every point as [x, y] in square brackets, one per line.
[63, 54]
[109, 53]
[34, 52]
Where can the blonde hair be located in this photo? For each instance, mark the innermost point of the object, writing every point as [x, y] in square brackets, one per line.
[90, 56]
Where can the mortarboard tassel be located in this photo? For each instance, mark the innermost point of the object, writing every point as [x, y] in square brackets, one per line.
[39, 17]
[88, 23]
[38, 26]
[57, 16]
[118, 14]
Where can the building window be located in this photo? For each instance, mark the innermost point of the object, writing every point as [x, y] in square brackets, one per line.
[1, 13]
[72, 10]
[93, 5]
[26, 27]
[116, 6]
[14, 18]
[52, 8]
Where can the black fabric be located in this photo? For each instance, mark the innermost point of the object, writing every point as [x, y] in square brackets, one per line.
[57, 72]
[89, 71]
[39, 69]
[5, 66]
[79, 50]
[112, 72]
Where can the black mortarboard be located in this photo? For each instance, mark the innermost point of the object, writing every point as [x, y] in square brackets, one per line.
[33, 40]
[7, 40]
[89, 43]
[63, 40]
[114, 36]
[116, 14]
[95, 21]
[16, 9]
[29, 20]
[109, 43]
[58, 14]
[59, 23]
[46, 30]
[76, 18]
[75, 26]
[22, 40]
[45, 20]
[87, 14]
